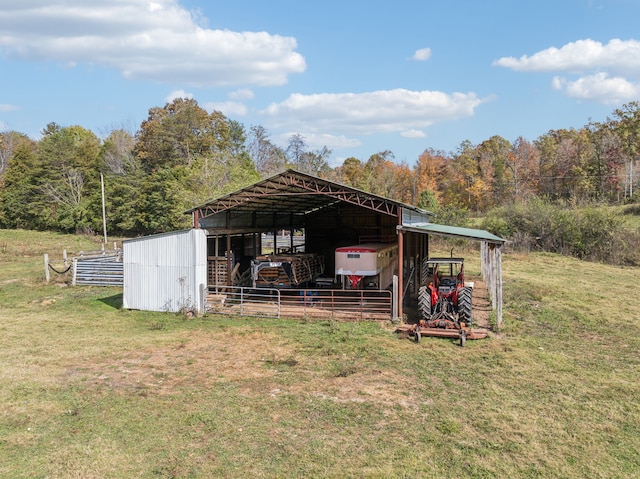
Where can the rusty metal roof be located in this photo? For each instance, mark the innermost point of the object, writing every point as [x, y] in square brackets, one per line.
[298, 193]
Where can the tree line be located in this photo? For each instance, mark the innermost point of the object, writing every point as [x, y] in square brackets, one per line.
[182, 156]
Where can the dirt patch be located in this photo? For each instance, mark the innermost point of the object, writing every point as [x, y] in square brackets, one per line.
[481, 304]
[258, 364]
[193, 361]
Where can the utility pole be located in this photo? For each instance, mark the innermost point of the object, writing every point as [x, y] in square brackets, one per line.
[104, 216]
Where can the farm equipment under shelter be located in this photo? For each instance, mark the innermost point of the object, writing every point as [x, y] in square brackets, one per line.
[286, 271]
[445, 303]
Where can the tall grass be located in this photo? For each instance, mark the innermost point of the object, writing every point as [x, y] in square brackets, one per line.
[88, 390]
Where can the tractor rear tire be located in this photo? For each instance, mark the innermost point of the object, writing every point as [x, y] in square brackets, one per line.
[465, 308]
[424, 302]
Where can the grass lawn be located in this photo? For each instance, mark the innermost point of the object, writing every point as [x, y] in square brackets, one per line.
[88, 390]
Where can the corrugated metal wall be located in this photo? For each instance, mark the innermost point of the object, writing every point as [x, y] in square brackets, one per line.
[166, 272]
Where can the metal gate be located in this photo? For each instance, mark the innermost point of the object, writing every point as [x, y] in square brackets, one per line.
[345, 305]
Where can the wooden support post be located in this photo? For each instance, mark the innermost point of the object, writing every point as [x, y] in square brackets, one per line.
[499, 286]
[228, 259]
[196, 219]
[394, 300]
[64, 257]
[400, 271]
[409, 253]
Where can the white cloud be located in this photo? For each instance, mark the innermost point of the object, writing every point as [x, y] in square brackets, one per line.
[413, 134]
[387, 111]
[608, 74]
[4, 108]
[178, 94]
[599, 87]
[228, 108]
[622, 56]
[159, 41]
[422, 54]
[242, 94]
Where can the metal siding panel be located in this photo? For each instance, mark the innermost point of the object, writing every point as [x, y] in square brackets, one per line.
[164, 272]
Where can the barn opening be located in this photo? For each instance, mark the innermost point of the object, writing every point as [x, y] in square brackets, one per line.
[318, 248]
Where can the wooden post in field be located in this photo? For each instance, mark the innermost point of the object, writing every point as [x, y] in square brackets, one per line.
[46, 266]
[493, 288]
[73, 272]
[64, 257]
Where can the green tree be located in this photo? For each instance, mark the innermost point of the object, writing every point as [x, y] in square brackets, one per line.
[162, 202]
[493, 157]
[428, 200]
[9, 141]
[461, 181]
[352, 173]
[178, 133]
[380, 173]
[19, 190]
[69, 159]
[187, 156]
[123, 180]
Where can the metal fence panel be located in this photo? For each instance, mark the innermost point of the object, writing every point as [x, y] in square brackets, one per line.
[344, 305]
[104, 270]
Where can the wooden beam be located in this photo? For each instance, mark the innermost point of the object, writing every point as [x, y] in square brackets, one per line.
[400, 270]
[499, 286]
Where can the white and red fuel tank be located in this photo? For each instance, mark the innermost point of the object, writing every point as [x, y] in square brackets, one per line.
[366, 266]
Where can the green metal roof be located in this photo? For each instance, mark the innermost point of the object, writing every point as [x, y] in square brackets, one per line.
[455, 231]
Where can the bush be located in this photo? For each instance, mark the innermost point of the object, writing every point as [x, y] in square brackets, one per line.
[593, 233]
[633, 210]
[452, 215]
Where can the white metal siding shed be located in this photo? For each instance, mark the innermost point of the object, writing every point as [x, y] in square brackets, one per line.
[166, 272]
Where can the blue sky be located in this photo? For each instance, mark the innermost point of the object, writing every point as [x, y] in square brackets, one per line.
[358, 77]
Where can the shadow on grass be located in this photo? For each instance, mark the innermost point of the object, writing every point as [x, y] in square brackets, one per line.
[114, 301]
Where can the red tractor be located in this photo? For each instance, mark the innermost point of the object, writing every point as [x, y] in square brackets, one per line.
[444, 302]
